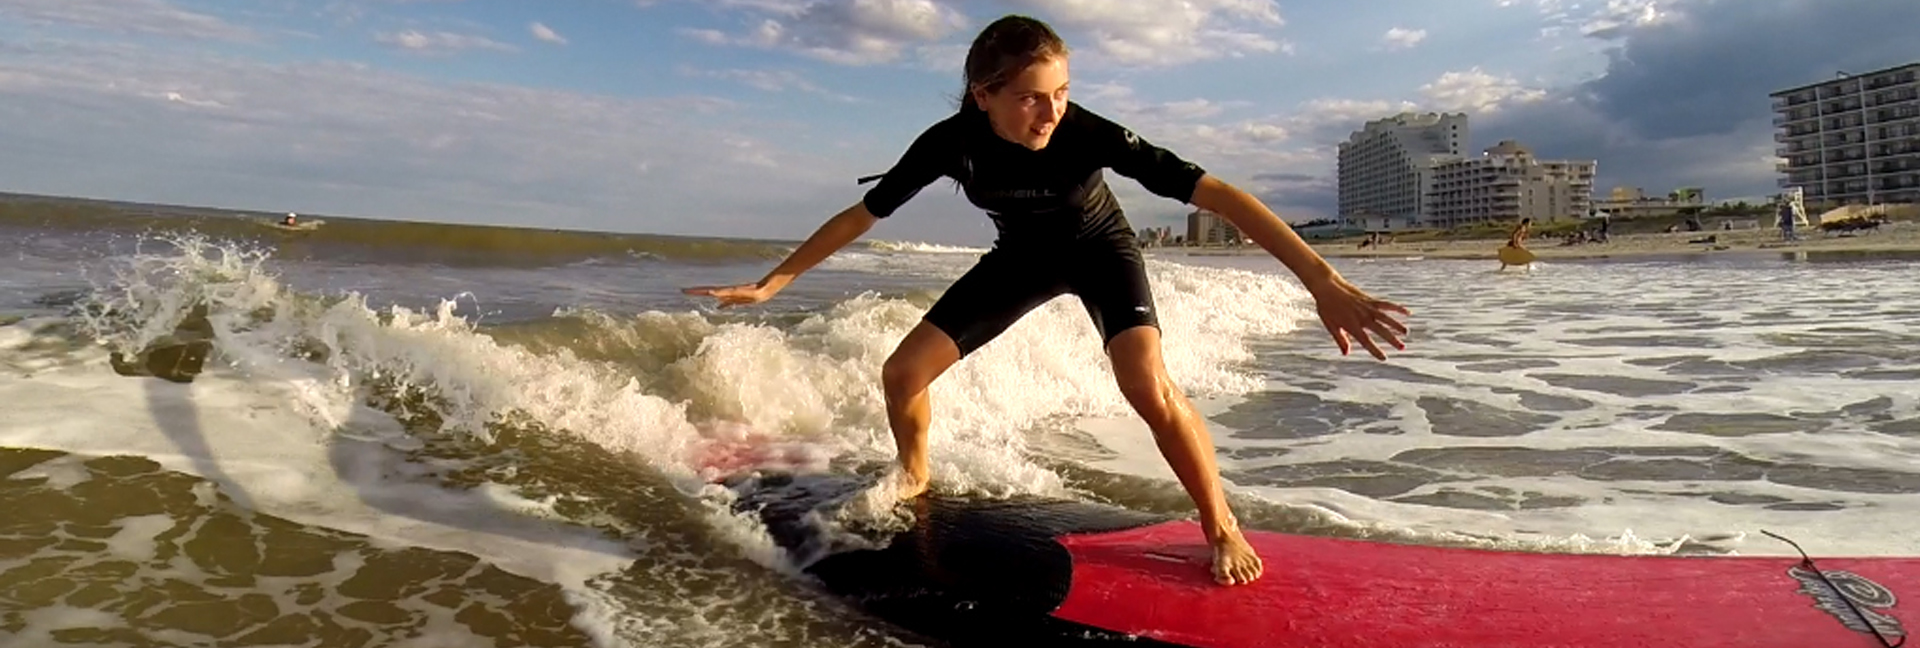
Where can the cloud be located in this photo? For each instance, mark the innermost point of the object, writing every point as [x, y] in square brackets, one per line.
[1477, 92]
[348, 139]
[1606, 21]
[1214, 134]
[1683, 100]
[439, 42]
[769, 81]
[1150, 33]
[1153, 33]
[849, 32]
[1400, 38]
[545, 33]
[149, 17]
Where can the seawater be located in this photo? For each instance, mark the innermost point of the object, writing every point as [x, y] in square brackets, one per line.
[223, 436]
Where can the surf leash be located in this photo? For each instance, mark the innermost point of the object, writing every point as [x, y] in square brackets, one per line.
[1807, 562]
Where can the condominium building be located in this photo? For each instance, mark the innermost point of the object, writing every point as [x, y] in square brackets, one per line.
[1507, 183]
[1208, 228]
[1854, 139]
[1385, 167]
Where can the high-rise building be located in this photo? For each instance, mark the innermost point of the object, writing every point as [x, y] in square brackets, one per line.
[1854, 139]
[1385, 167]
[1507, 183]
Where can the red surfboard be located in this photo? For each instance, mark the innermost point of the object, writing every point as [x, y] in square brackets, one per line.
[1056, 573]
[1153, 582]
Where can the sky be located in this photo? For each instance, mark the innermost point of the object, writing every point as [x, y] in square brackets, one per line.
[753, 118]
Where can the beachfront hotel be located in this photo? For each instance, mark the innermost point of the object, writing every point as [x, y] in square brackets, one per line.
[1507, 183]
[1853, 139]
[1385, 167]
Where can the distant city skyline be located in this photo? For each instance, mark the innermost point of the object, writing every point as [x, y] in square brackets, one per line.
[754, 117]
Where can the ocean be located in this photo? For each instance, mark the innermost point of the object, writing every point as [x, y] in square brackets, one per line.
[218, 433]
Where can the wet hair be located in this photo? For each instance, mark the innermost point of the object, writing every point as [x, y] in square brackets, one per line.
[1003, 50]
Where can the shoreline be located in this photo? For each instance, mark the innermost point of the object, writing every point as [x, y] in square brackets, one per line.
[1894, 237]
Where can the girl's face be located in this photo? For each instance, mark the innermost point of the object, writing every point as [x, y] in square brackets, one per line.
[1026, 109]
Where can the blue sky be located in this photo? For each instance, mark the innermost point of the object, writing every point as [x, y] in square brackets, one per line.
[754, 117]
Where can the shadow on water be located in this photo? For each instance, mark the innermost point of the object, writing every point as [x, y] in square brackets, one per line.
[175, 359]
[686, 584]
[363, 450]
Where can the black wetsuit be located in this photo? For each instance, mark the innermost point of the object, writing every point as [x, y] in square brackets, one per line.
[1060, 228]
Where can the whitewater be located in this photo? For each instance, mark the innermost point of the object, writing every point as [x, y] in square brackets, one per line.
[221, 439]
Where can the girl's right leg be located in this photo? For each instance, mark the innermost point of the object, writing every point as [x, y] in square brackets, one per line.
[921, 357]
[975, 309]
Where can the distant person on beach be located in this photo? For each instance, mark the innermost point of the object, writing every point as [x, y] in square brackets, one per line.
[1032, 159]
[1518, 239]
[1787, 222]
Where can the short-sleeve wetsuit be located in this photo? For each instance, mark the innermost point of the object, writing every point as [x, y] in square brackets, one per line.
[1060, 228]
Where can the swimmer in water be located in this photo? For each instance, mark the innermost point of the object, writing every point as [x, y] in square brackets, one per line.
[1033, 161]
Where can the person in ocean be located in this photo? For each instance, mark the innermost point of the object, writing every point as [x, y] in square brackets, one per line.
[1033, 160]
[1518, 237]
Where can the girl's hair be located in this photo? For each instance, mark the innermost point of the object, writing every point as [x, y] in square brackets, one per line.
[1004, 49]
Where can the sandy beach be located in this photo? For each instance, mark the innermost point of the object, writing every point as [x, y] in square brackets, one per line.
[1899, 236]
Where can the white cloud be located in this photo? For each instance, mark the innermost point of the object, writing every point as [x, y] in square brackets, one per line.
[1165, 32]
[769, 81]
[1202, 131]
[414, 40]
[1402, 38]
[1605, 21]
[545, 33]
[850, 32]
[1148, 33]
[153, 17]
[1610, 20]
[349, 139]
[1477, 92]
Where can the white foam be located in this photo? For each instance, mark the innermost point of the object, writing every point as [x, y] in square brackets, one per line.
[243, 435]
[1565, 315]
[59, 473]
[135, 539]
[41, 623]
[922, 247]
[821, 379]
[290, 436]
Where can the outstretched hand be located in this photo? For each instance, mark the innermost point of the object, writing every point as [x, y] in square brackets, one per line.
[1349, 313]
[740, 295]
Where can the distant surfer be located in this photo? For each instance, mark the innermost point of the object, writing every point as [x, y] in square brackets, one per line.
[1517, 239]
[1032, 160]
[289, 221]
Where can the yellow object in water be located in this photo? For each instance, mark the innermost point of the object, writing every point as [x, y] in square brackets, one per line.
[1514, 256]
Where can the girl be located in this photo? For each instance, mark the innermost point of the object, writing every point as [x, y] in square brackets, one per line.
[1033, 161]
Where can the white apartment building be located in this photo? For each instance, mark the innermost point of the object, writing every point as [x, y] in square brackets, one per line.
[1507, 183]
[1852, 140]
[1385, 167]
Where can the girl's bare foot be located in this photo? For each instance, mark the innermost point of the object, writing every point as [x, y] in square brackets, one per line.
[1234, 561]
[907, 486]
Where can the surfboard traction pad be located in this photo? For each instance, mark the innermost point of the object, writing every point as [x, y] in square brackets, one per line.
[970, 572]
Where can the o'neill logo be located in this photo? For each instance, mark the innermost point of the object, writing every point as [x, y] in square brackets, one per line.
[1868, 597]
